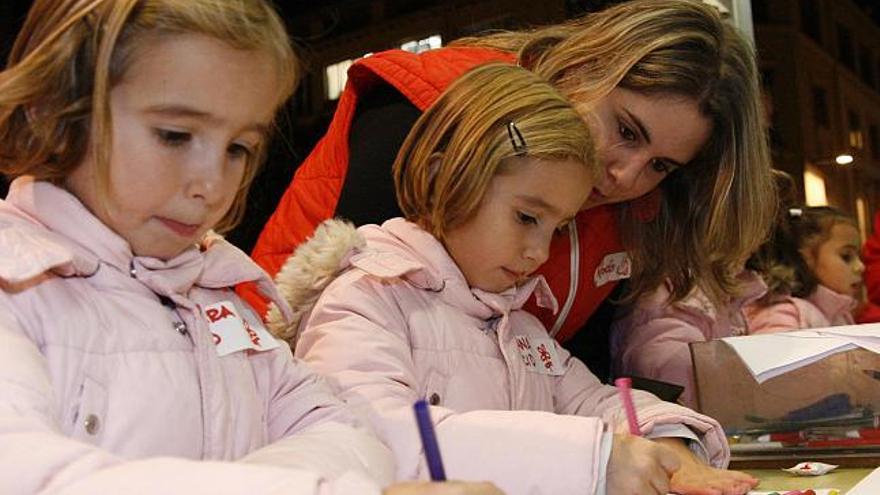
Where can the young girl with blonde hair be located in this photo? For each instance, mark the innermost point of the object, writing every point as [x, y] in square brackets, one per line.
[133, 128]
[698, 181]
[430, 307]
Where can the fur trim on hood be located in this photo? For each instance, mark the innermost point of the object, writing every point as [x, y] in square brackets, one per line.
[309, 270]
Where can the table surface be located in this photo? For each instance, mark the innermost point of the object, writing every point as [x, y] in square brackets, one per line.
[776, 479]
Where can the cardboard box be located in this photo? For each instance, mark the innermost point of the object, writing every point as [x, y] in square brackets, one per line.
[840, 392]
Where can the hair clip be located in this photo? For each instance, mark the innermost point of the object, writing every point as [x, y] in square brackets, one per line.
[516, 139]
[795, 212]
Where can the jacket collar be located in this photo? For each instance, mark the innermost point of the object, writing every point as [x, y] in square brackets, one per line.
[751, 288]
[402, 249]
[830, 303]
[63, 236]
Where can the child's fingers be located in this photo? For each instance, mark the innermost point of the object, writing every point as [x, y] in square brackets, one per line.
[742, 489]
[442, 488]
[669, 461]
[718, 488]
[660, 482]
[743, 477]
[738, 489]
[711, 481]
[735, 483]
[697, 490]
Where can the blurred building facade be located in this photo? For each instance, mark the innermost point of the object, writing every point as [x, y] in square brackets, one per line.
[820, 63]
[335, 34]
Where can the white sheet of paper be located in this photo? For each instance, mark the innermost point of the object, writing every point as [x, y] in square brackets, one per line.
[770, 355]
[865, 336]
[870, 485]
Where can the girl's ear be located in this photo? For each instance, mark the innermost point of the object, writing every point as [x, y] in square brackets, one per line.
[32, 113]
[36, 114]
[809, 253]
[434, 162]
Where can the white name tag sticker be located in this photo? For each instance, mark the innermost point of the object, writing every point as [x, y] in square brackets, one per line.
[539, 355]
[615, 266]
[232, 333]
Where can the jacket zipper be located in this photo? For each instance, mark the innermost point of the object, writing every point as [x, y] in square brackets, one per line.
[574, 265]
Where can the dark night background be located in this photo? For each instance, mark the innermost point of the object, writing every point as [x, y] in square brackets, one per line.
[322, 21]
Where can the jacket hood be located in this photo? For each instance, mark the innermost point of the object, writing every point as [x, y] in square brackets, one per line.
[833, 305]
[396, 249]
[307, 272]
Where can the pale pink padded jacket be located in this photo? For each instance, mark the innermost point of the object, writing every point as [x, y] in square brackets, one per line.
[823, 308]
[401, 324]
[652, 338]
[99, 393]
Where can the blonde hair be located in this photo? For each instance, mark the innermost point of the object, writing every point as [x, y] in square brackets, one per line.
[463, 140]
[719, 208]
[54, 96]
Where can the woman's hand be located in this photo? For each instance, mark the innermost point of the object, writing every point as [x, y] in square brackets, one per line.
[697, 478]
[442, 488]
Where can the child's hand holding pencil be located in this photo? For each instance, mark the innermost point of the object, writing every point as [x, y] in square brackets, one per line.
[435, 465]
[442, 488]
[655, 467]
[637, 466]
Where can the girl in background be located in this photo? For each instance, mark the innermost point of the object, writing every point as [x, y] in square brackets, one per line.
[127, 363]
[430, 306]
[813, 272]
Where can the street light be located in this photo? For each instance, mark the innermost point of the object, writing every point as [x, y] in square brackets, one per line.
[815, 176]
[843, 159]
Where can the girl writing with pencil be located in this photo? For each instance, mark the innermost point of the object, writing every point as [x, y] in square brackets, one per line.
[127, 364]
[430, 307]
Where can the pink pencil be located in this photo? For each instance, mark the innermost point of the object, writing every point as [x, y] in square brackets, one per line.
[624, 387]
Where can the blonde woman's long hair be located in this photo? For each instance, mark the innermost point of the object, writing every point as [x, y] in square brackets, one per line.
[719, 208]
[464, 139]
[54, 95]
